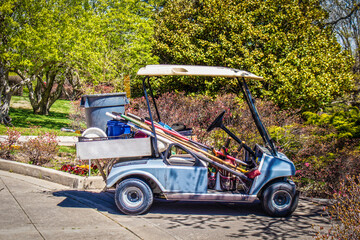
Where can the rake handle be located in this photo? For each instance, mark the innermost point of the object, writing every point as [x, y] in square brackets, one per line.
[145, 126]
[176, 134]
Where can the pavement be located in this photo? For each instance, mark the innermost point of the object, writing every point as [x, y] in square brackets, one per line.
[33, 208]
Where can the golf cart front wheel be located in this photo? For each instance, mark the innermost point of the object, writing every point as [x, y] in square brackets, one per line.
[133, 196]
[279, 199]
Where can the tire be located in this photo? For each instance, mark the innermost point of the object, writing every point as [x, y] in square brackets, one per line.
[133, 196]
[280, 199]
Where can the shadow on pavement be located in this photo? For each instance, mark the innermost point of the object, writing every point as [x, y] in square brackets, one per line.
[241, 220]
[104, 201]
[236, 220]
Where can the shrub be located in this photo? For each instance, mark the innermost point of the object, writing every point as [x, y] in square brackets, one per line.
[41, 149]
[321, 155]
[198, 112]
[346, 122]
[328, 150]
[321, 158]
[345, 212]
[302, 64]
[319, 175]
[7, 146]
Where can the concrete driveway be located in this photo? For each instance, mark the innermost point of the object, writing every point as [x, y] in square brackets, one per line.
[36, 209]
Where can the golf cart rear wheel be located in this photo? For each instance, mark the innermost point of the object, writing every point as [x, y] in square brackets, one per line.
[278, 199]
[133, 196]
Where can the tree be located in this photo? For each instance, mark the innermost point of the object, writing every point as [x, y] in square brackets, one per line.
[283, 41]
[344, 20]
[127, 31]
[6, 32]
[49, 42]
[39, 42]
[56, 40]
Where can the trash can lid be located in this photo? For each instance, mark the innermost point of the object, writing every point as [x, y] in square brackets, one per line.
[105, 94]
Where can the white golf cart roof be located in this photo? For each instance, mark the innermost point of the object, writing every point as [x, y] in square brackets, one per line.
[188, 70]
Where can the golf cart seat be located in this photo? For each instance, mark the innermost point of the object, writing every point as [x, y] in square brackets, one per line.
[188, 159]
[181, 160]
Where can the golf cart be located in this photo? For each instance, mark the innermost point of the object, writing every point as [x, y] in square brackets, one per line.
[164, 163]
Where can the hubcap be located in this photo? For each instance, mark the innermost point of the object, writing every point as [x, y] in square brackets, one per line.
[132, 197]
[281, 199]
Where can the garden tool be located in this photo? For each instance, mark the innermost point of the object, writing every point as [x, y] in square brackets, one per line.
[178, 135]
[182, 142]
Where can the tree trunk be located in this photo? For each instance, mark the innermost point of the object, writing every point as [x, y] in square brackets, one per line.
[5, 96]
[5, 107]
[44, 96]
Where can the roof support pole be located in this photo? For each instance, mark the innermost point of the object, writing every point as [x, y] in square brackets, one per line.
[255, 115]
[154, 140]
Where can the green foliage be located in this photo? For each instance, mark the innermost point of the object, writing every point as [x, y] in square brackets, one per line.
[346, 122]
[41, 41]
[301, 62]
[286, 138]
[50, 42]
[127, 30]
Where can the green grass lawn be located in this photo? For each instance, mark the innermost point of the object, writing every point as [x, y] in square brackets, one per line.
[28, 123]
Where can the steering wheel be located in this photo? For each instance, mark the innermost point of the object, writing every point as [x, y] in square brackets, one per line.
[217, 122]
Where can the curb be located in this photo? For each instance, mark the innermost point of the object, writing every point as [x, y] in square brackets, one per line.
[64, 178]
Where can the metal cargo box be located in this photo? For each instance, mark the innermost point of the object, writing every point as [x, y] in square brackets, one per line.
[116, 148]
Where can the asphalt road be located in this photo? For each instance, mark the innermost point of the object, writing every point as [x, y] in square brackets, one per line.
[36, 209]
